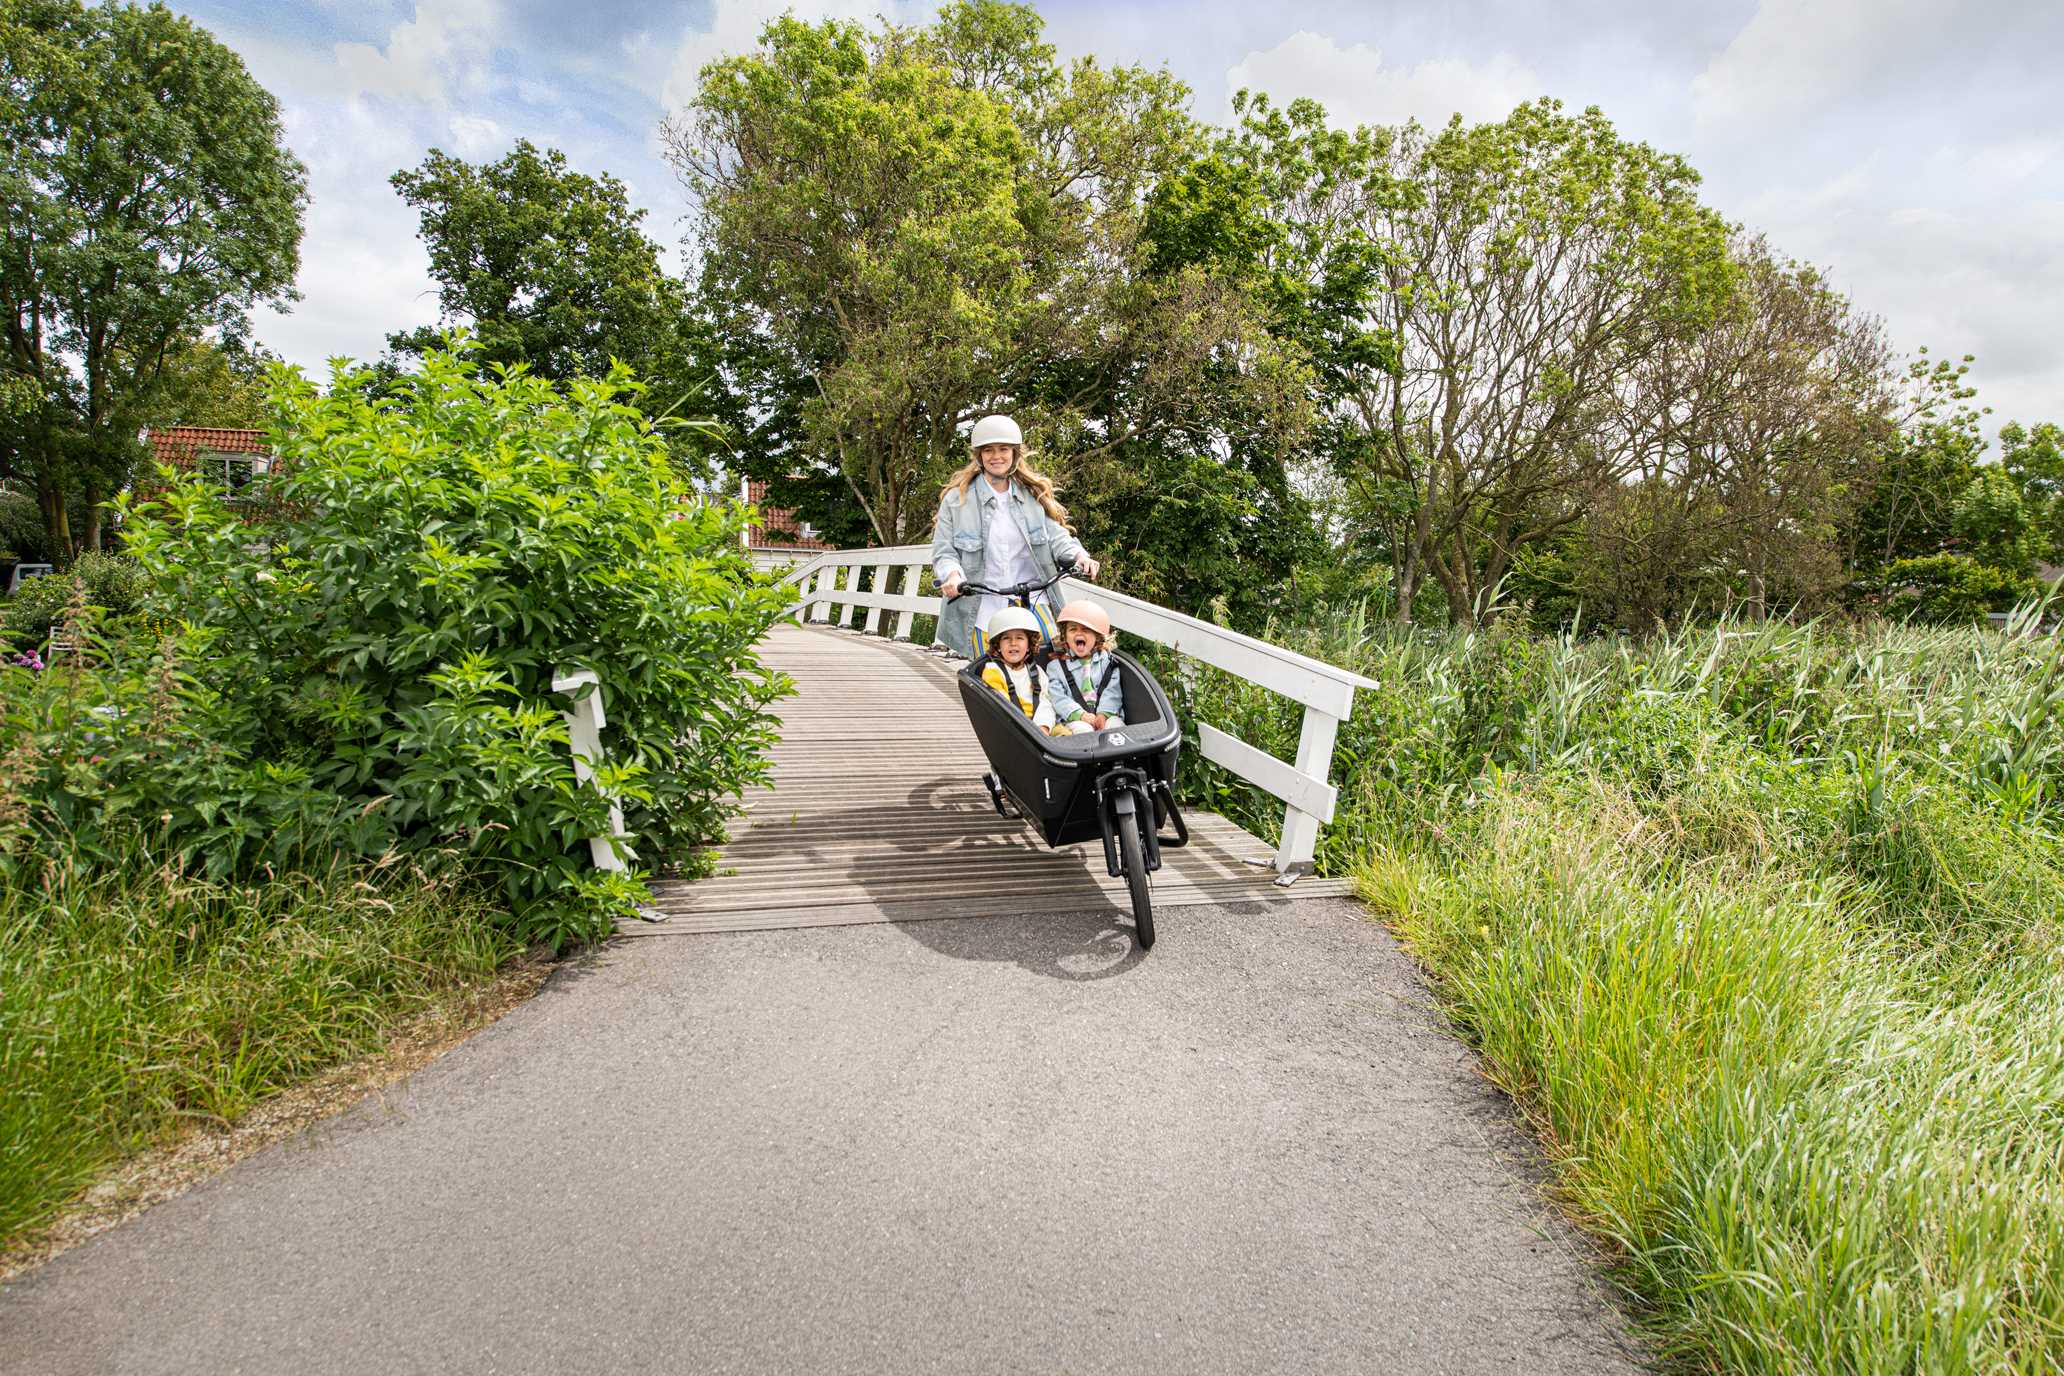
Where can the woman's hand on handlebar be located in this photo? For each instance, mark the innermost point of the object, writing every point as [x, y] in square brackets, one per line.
[1086, 566]
[950, 589]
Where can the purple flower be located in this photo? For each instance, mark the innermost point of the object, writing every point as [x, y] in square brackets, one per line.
[31, 660]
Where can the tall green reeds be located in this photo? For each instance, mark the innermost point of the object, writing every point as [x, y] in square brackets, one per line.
[1763, 928]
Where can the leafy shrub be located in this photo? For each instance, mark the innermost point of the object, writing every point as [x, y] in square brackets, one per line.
[372, 669]
[21, 527]
[1954, 587]
[114, 584]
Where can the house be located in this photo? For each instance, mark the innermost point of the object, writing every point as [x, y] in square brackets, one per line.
[778, 539]
[231, 457]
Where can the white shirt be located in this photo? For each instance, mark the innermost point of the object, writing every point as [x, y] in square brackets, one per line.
[1006, 556]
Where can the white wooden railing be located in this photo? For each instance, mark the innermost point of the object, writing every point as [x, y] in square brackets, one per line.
[830, 589]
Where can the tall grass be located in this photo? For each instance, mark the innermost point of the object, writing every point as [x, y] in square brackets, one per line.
[1763, 927]
[134, 1002]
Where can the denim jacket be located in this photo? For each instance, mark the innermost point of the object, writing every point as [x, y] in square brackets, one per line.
[1110, 702]
[960, 539]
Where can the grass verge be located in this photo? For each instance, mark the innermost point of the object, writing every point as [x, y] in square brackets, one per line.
[1763, 929]
[1816, 1145]
[136, 1005]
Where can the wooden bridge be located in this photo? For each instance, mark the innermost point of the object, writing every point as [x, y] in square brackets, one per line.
[876, 810]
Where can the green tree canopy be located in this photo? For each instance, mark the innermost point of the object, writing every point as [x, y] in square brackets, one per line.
[1994, 526]
[903, 228]
[546, 267]
[150, 199]
[214, 384]
[1470, 299]
[1928, 457]
[2034, 459]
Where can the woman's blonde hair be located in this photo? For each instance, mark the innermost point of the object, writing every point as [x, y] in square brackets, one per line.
[1037, 483]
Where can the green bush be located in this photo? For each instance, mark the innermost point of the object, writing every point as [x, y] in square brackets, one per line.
[1954, 587]
[371, 669]
[21, 527]
[114, 584]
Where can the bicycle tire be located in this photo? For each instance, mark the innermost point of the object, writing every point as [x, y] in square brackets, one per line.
[1134, 857]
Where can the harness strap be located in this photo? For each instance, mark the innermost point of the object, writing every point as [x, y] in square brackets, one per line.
[1010, 686]
[1075, 689]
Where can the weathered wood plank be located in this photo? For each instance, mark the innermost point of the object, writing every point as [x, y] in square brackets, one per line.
[875, 813]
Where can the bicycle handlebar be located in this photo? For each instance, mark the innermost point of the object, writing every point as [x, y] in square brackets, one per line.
[1020, 591]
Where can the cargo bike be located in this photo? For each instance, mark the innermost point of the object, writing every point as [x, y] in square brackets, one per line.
[1117, 786]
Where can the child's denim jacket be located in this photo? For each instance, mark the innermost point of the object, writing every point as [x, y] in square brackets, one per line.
[1110, 702]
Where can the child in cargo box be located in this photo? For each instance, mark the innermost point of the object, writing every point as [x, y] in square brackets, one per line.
[1010, 669]
[1083, 681]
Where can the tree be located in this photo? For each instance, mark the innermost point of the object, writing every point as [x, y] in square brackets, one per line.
[1927, 457]
[2034, 459]
[1469, 299]
[1993, 526]
[221, 385]
[1755, 422]
[547, 267]
[916, 225]
[150, 199]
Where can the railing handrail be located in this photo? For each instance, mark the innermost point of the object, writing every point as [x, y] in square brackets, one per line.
[1178, 630]
[1325, 691]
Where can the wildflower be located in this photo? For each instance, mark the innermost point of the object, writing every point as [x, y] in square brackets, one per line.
[30, 660]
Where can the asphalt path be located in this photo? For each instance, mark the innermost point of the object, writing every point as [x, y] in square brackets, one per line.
[966, 1146]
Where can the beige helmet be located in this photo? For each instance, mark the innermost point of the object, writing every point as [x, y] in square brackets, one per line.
[995, 430]
[1013, 619]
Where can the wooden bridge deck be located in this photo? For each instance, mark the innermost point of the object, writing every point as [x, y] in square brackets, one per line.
[877, 814]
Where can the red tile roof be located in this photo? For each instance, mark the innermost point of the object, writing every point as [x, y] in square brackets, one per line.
[178, 444]
[788, 529]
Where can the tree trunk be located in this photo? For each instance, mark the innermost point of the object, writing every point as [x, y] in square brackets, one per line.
[89, 533]
[57, 527]
[1461, 600]
[1407, 577]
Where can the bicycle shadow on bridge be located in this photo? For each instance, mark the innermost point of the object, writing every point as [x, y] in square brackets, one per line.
[1055, 922]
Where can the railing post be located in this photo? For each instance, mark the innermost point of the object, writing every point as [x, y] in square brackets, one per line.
[876, 583]
[1315, 760]
[852, 586]
[903, 619]
[827, 582]
[584, 723]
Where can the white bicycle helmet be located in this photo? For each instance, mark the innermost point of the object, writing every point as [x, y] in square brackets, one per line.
[995, 430]
[1013, 619]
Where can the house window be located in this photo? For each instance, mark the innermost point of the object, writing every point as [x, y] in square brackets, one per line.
[233, 470]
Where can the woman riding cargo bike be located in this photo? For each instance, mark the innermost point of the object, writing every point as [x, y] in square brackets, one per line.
[1115, 784]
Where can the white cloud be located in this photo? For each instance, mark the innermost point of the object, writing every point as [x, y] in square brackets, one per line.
[445, 38]
[363, 273]
[1797, 56]
[1985, 281]
[1356, 88]
[476, 136]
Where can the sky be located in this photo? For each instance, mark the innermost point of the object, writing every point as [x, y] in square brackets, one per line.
[1909, 148]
